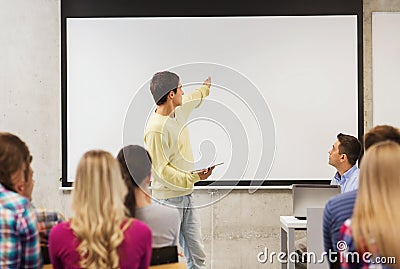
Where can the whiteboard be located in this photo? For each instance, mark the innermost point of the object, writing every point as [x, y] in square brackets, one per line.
[386, 68]
[283, 88]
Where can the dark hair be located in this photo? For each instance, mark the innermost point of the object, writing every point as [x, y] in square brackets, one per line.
[381, 133]
[135, 163]
[350, 146]
[14, 153]
[162, 84]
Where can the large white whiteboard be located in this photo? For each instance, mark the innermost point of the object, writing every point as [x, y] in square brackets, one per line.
[287, 85]
[386, 68]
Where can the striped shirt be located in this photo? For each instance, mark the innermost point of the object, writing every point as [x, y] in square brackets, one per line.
[19, 241]
[337, 210]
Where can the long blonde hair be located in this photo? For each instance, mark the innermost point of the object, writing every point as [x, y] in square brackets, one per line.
[376, 217]
[98, 203]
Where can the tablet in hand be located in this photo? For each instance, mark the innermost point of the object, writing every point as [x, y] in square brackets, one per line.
[199, 170]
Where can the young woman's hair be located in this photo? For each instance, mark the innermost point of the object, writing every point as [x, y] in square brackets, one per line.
[98, 203]
[135, 163]
[376, 215]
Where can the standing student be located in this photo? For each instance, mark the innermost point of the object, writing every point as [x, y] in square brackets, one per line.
[100, 235]
[19, 241]
[164, 221]
[167, 140]
[343, 156]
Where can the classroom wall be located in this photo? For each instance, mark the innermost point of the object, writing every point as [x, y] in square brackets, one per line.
[235, 229]
[370, 6]
[30, 78]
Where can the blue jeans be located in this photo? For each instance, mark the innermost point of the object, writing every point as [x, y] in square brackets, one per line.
[190, 236]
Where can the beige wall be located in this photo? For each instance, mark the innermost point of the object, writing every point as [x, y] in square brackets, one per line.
[30, 88]
[235, 229]
[369, 7]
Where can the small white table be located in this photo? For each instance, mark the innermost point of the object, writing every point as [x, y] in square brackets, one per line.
[288, 225]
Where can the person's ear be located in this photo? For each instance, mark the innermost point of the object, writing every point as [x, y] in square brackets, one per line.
[19, 186]
[171, 94]
[343, 157]
[148, 179]
[18, 181]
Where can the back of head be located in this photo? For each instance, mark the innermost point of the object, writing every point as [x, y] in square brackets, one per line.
[161, 84]
[350, 146]
[376, 216]
[381, 133]
[98, 203]
[14, 156]
[135, 163]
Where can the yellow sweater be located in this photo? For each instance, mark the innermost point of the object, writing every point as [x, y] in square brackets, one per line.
[168, 142]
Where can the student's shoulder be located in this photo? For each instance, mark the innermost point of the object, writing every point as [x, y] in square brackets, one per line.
[155, 123]
[343, 198]
[62, 228]
[164, 210]
[47, 215]
[14, 202]
[172, 212]
[138, 231]
[138, 227]
[342, 205]
[61, 232]
[137, 235]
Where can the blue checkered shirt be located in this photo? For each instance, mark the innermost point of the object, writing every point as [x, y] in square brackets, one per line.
[19, 241]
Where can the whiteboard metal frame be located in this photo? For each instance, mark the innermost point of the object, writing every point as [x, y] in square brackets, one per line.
[174, 8]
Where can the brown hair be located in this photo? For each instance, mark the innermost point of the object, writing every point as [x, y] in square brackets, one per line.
[381, 133]
[162, 84]
[14, 154]
[135, 163]
[350, 146]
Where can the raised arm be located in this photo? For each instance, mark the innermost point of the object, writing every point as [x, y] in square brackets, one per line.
[194, 99]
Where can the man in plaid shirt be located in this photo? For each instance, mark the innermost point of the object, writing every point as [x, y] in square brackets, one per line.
[19, 241]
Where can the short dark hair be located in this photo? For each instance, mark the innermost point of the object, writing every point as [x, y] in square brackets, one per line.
[381, 133]
[14, 153]
[162, 84]
[350, 146]
[135, 164]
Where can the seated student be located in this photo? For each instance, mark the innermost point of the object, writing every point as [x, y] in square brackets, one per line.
[100, 235]
[19, 241]
[376, 218]
[340, 208]
[46, 219]
[343, 156]
[164, 221]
